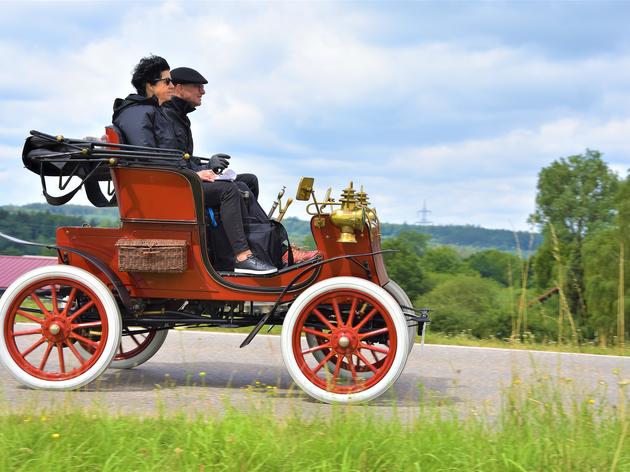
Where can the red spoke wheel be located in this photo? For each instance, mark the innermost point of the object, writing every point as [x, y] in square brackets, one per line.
[44, 314]
[137, 345]
[345, 340]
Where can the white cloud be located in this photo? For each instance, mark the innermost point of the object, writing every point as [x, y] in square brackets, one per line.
[331, 90]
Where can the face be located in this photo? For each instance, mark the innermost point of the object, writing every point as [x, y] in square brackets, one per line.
[192, 93]
[163, 88]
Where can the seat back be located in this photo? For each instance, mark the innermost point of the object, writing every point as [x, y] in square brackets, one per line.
[112, 135]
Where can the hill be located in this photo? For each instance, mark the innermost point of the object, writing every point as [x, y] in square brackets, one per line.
[37, 222]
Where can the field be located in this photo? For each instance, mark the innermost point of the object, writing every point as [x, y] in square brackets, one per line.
[538, 428]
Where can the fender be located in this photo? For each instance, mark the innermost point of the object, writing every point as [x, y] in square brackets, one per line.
[122, 291]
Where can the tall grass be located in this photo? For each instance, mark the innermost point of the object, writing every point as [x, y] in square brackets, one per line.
[621, 309]
[538, 428]
[564, 311]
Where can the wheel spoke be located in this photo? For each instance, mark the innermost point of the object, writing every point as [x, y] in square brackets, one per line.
[335, 305]
[42, 364]
[324, 319]
[353, 370]
[337, 369]
[53, 292]
[324, 361]
[367, 318]
[84, 340]
[374, 356]
[317, 348]
[365, 361]
[30, 317]
[353, 309]
[70, 301]
[62, 364]
[315, 332]
[38, 343]
[30, 331]
[134, 339]
[81, 310]
[373, 348]
[91, 324]
[75, 352]
[376, 332]
[41, 306]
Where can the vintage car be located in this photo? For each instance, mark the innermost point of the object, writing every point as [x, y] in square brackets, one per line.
[347, 329]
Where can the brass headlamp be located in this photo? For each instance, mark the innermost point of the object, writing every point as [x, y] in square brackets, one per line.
[353, 214]
[350, 217]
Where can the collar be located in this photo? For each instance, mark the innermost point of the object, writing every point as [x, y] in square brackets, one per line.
[181, 105]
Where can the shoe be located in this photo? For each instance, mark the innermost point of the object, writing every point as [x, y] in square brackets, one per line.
[299, 255]
[253, 265]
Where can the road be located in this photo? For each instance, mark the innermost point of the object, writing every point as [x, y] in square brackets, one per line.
[198, 372]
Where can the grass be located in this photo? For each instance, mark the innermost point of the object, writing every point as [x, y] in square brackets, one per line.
[464, 339]
[537, 429]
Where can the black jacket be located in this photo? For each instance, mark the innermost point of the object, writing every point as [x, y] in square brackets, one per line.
[176, 110]
[142, 122]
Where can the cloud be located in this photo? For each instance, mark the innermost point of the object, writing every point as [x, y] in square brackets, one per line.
[457, 104]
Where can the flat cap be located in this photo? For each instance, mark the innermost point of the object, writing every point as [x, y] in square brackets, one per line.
[186, 75]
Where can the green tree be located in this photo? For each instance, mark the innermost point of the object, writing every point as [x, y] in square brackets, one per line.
[445, 260]
[500, 266]
[469, 303]
[404, 266]
[575, 198]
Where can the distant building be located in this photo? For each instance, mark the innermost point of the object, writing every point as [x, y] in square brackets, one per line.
[11, 267]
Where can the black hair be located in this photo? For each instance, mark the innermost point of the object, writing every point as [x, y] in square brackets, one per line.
[148, 70]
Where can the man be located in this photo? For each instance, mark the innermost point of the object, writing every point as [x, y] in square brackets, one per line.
[187, 95]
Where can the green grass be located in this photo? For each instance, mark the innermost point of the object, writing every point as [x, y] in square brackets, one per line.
[537, 429]
[464, 339]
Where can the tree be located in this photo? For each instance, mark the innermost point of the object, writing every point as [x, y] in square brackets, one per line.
[445, 260]
[501, 266]
[575, 198]
[469, 303]
[404, 266]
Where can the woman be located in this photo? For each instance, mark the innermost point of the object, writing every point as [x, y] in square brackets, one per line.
[139, 118]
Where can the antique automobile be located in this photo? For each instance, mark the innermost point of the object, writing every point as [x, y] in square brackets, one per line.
[347, 329]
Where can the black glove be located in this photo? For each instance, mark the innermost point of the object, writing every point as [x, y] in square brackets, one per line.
[218, 162]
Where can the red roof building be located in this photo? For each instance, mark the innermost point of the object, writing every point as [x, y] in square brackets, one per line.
[11, 267]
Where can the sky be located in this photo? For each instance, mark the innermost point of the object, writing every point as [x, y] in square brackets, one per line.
[456, 104]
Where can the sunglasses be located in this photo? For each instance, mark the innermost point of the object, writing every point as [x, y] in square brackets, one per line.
[166, 80]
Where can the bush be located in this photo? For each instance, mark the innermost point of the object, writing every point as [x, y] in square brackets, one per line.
[469, 303]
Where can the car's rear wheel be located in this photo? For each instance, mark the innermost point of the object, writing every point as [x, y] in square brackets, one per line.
[137, 345]
[358, 326]
[44, 314]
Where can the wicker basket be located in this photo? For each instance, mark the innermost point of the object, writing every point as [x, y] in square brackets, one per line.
[152, 255]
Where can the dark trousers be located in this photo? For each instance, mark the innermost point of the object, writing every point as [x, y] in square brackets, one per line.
[227, 196]
[251, 181]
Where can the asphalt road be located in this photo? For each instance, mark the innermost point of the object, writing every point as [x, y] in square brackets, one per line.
[199, 372]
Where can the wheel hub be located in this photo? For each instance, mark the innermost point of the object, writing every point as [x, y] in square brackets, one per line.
[344, 342]
[56, 330]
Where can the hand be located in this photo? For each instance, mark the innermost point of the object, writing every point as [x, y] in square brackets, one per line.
[207, 175]
[218, 162]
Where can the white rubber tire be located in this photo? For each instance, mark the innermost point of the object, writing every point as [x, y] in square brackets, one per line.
[112, 314]
[401, 297]
[332, 285]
